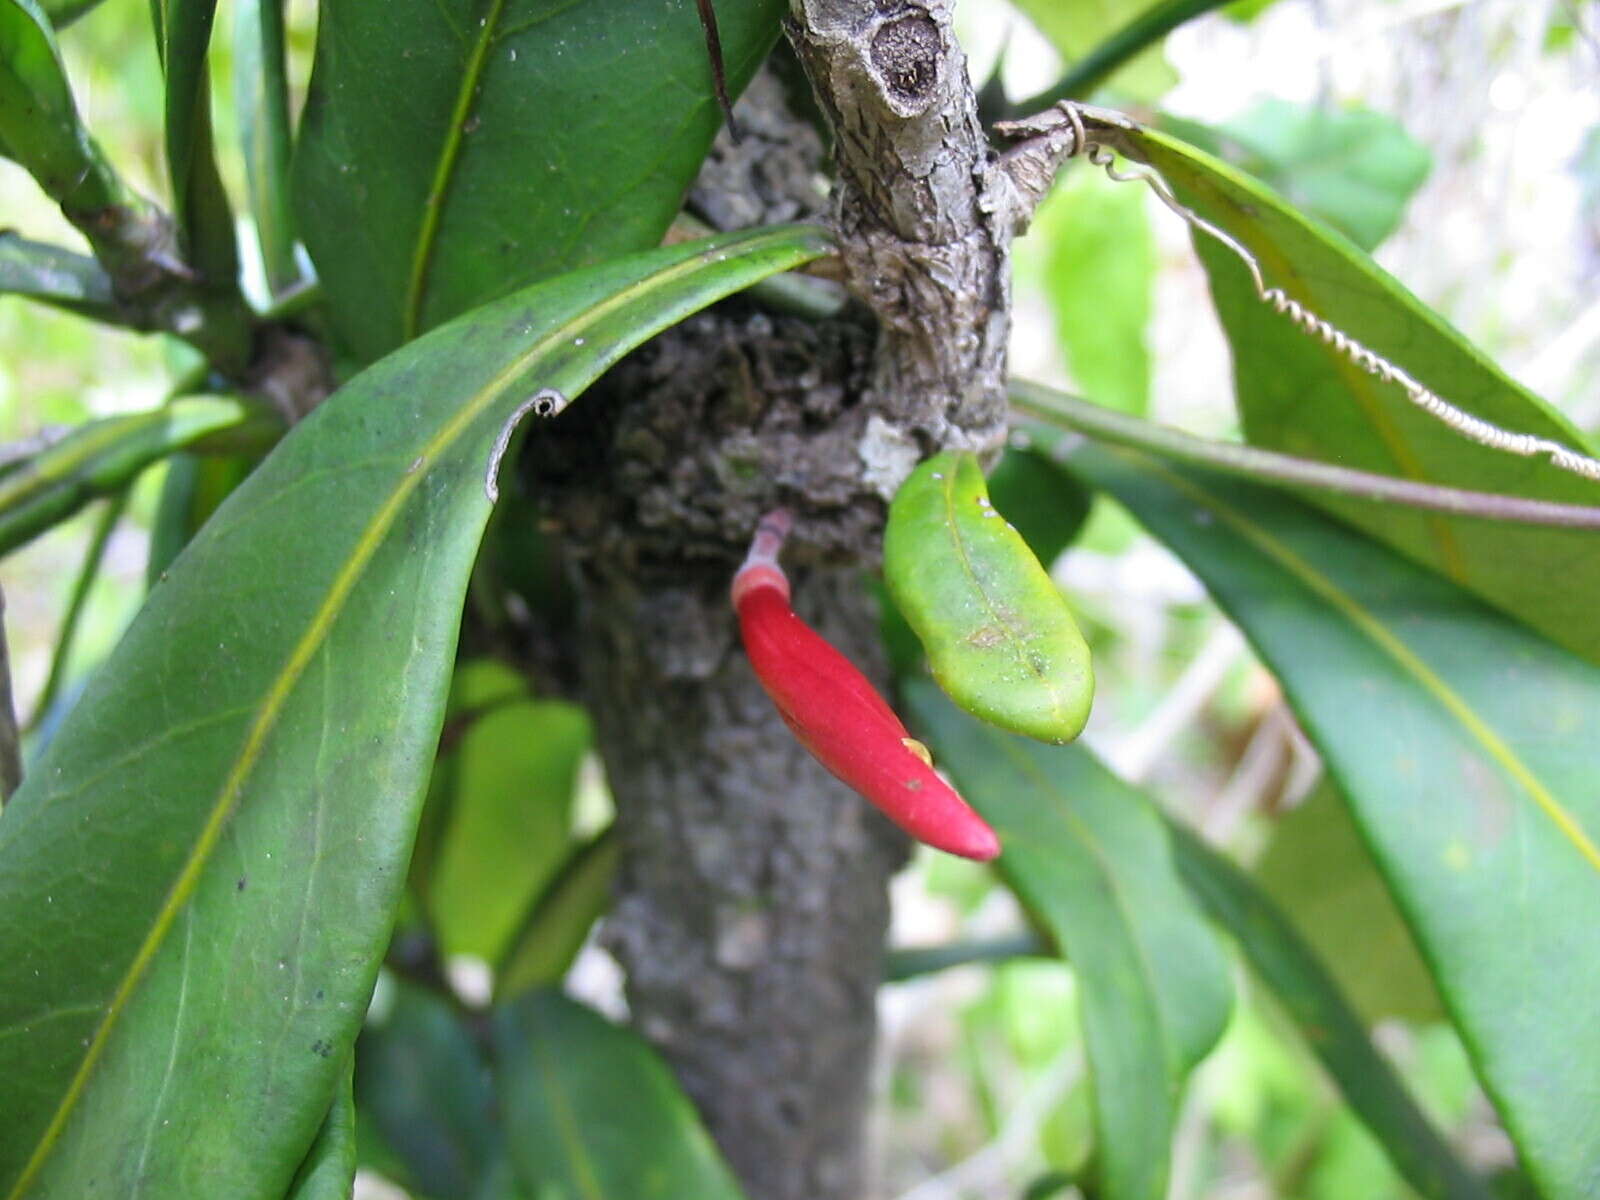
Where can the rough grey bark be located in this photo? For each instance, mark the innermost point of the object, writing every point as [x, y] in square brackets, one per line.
[925, 216]
[751, 904]
[752, 899]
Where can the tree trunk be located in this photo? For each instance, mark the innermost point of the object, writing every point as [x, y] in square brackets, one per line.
[751, 901]
[751, 905]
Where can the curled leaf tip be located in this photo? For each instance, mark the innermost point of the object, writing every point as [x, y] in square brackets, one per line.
[838, 715]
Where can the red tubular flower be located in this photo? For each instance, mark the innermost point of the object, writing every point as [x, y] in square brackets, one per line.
[838, 716]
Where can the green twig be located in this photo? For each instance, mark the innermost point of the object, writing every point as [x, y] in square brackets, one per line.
[57, 277]
[1100, 63]
[1267, 466]
[905, 964]
[93, 559]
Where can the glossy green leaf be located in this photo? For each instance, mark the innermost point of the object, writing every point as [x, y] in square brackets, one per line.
[1297, 395]
[999, 636]
[557, 925]
[57, 277]
[199, 202]
[329, 1169]
[423, 1084]
[508, 821]
[194, 486]
[261, 96]
[252, 757]
[1351, 167]
[1469, 751]
[1098, 262]
[1332, 1028]
[105, 456]
[590, 1110]
[452, 151]
[39, 125]
[1322, 876]
[1090, 858]
[1044, 504]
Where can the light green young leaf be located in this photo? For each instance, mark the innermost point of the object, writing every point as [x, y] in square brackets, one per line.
[1468, 748]
[999, 636]
[556, 925]
[253, 755]
[1099, 264]
[1089, 856]
[513, 776]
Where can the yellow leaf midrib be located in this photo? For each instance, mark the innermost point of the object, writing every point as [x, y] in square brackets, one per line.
[1403, 656]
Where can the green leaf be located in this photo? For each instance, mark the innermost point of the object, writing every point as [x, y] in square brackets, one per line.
[998, 633]
[199, 202]
[1099, 263]
[1469, 751]
[1089, 856]
[508, 821]
[1319, 872]
[195, 485]
[1044, 504]
[1332, 1028]
[64, 12]
[261, 95]
[39, 125]
[500, 1181]
[1299, 396]
[555, 927]
[591, 1111]
[44, 707]
[55, 276]
[329, 1169]
[1078, 29]
[479, 687]
[1351, 167]
[423, 1085]
[105, 456]
[252, 758]
[452, 150]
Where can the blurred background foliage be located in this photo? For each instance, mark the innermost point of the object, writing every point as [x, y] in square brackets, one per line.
[1458, 140]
